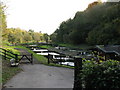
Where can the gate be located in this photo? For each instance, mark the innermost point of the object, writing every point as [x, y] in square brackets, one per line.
[29, 57]
[15, 58]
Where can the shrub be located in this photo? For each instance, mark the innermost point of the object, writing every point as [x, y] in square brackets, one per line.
[104, 75]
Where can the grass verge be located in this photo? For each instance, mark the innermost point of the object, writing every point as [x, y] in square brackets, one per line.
[46, 46]
[7, 71]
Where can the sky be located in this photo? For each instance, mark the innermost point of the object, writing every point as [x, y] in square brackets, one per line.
[42, 15]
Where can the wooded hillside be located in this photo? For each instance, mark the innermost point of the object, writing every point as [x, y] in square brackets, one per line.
[98, 24]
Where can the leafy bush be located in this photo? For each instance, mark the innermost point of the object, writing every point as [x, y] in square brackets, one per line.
[104, 75]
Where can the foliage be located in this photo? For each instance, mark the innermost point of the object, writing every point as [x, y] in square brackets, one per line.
[46, 37]
[98, 24]
[104, 75]
[17, 35]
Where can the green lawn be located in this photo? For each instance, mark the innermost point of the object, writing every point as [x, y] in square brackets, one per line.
[46, 46]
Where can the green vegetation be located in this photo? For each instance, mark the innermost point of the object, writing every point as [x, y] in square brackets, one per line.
[104, 75]
[17, 35]
[80, 46]
[11, 49]
[46, 46]
[98, 24]
[7, 71]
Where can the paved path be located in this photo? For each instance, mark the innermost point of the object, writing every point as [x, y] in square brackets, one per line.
[42, 76]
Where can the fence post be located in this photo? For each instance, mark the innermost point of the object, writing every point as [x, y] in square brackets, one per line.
[16, 58]
[77, 70]
[5, 54]
[60, 60]
[48, 58]
[32, 58]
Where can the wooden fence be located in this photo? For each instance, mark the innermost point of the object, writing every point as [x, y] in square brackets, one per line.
[7, 55]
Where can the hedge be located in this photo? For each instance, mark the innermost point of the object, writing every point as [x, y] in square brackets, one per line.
[96, 76]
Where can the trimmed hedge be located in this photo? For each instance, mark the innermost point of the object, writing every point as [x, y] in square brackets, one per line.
[96, 76]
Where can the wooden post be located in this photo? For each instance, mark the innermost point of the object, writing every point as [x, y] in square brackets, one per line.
[5, 54]
[32, 58]
[48, 58]
[77, 71]
[60, 60]
[16, 58]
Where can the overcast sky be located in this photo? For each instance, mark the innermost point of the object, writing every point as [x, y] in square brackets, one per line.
[42, 15]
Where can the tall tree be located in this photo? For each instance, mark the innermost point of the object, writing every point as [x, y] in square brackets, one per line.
[3, 24]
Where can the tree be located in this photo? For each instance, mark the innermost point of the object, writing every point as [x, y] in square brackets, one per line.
[27, 37]
[3, 25]
[36, 36]
[46, 37]
[98, 24]
[11, 38]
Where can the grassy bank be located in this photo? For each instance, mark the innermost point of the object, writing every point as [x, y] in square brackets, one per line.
[46, 46]
[7, 71]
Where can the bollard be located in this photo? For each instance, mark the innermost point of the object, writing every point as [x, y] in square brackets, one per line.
[77, 71]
